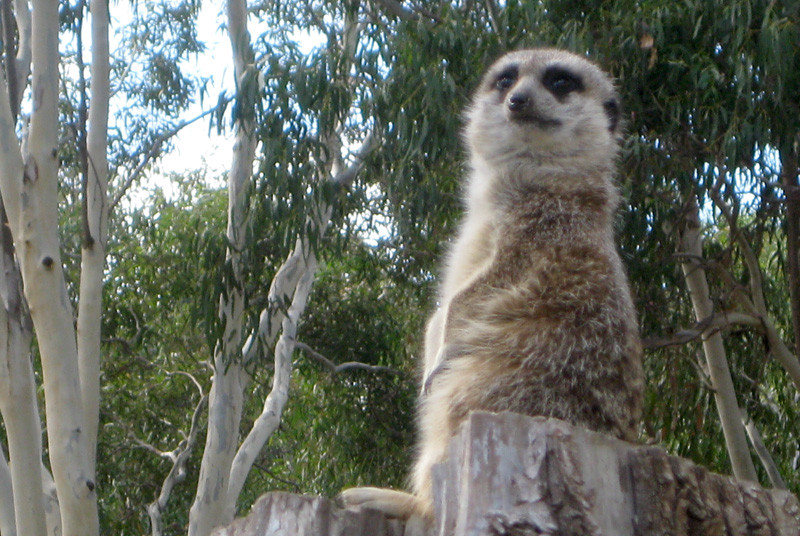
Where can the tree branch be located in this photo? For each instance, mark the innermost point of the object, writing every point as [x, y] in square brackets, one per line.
[152, 154]
[342, 367]
[396, 9]
[691, 243]
[763, 454]
[757, 302]
[179, 457]
[266, 423]
[285, 280]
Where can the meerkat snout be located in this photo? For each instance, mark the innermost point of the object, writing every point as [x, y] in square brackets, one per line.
[519, 102]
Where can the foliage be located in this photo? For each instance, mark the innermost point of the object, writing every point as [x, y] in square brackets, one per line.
[152, 334]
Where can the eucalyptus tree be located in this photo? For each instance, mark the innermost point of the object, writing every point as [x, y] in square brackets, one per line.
[712, 92]
[54, 112]
[35, 284]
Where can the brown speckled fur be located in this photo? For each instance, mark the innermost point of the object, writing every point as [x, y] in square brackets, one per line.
[535, 313]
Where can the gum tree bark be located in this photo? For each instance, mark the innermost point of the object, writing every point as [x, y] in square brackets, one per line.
[64, 503]
[295, 279]
[95, 228]
[23, 510]
[230, 378]
[292, 284]
[18, 403]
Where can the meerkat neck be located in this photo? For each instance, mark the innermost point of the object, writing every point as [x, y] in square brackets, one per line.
[493, 189]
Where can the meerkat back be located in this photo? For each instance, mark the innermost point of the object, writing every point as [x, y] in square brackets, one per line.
[535, 314]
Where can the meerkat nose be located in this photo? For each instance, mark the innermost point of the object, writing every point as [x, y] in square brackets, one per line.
[519, 102]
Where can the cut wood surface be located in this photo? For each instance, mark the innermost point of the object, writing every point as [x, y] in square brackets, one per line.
[510, 474]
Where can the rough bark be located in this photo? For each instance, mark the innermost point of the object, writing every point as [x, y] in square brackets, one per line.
[510, 474]
[691, 248]
[304, 515]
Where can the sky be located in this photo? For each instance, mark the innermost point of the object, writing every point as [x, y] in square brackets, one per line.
[197, 147]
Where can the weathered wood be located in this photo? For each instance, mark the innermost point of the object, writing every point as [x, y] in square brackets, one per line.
[287, 514]
[510, 474]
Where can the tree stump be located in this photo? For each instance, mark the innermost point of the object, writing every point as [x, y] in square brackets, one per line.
[509, 474]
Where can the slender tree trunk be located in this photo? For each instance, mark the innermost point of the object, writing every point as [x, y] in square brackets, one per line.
[691, 247]
[291, 284]
[210, 507]
[789, 178]
[18, 403]
[94, 241]
[266, 423]
[23, 510]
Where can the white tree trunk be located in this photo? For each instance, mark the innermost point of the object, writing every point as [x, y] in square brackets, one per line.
[294, 279]
[8, 523]
[20, 410]
[210, 507]
[292, 282]
[30, 192]
[266, 423]
[23, 506]
[179, 458]
[52, 510]
[692, 248]
[90, 305]
[18, 402]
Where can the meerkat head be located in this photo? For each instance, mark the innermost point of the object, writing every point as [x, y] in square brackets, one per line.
[544, 106]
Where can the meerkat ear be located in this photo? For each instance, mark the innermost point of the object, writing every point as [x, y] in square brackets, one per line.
[612, 111]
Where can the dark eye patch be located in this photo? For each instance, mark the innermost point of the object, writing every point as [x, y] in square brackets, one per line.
[560, 81]
[506, 78]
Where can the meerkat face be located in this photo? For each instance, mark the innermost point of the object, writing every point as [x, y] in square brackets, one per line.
[543, 104]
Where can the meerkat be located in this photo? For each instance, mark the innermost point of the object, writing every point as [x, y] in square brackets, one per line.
[535, 313]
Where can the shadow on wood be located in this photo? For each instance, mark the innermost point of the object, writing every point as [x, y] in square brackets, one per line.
[514, 475]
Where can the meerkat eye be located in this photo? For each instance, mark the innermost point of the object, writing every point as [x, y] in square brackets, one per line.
[506, 78]
[561, 82]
